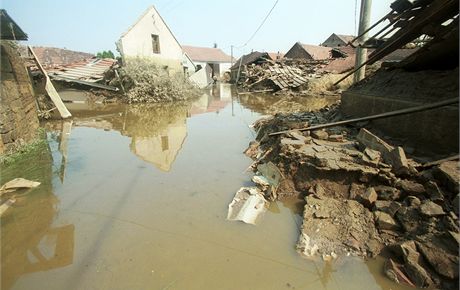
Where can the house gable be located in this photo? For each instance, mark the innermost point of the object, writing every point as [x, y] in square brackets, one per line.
[297, 51]
[337, 40]
[150, 37]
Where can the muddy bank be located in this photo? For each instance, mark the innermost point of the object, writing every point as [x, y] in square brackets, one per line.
[364, 196]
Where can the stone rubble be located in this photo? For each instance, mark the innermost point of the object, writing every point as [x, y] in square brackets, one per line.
[363, 196]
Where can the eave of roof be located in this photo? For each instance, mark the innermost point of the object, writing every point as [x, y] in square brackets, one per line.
[206, 54]
[9, 28]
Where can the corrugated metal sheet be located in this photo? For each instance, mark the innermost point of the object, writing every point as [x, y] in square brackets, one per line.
[92, 70]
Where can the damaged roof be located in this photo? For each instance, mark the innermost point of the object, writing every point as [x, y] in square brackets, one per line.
[276, 55]
[341, 65]
[206, 54]
[51, 57]
[345, 38]
[9, 29]
[317, 52]
[435, 18]
[92, 70]
[250, 58]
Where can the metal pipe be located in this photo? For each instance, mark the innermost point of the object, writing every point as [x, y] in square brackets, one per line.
[378, 116]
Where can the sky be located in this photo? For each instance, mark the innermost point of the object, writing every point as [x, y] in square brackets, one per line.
[95, 25]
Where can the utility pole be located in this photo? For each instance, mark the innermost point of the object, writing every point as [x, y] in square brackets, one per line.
[231, 54]
[361, 53]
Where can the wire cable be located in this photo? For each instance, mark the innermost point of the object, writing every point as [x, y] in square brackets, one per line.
[260, 26]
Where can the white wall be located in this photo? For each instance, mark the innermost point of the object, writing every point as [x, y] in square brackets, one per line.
[137, 42]
[202, 78]
[224, 67]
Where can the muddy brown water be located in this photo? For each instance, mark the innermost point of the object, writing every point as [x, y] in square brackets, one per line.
[135, 197]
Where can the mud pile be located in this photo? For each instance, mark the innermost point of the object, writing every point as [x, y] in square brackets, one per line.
[363, 196]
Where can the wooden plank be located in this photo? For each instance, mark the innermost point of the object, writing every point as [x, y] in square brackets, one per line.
[51, 90]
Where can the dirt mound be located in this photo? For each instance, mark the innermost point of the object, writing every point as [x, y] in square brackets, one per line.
[334, 227]
[363, 195]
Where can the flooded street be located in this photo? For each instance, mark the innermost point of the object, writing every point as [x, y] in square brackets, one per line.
[136, 197]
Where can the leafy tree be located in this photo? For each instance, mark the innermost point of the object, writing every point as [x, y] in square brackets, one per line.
[105, 54]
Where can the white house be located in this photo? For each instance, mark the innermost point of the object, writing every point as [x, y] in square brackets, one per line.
[151, 37]
[218, 60]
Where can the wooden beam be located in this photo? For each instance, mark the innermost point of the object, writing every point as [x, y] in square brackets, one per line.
[52, 93]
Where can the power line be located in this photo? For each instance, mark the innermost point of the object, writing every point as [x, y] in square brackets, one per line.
[260, 26]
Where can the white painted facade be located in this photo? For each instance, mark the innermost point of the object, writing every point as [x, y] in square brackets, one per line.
[220, 67]
[137, 41]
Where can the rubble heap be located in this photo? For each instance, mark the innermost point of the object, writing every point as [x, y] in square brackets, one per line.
[281, 75]
[363, 196]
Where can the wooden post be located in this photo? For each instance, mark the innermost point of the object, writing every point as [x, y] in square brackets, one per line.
[52, 93]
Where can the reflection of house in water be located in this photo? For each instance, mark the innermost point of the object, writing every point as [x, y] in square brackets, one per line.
[29, 240]
[218, 97]
[157, 131]
[162, 148]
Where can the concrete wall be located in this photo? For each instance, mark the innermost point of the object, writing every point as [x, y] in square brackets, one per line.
[434, 131]
[137, 42]
[18, 113]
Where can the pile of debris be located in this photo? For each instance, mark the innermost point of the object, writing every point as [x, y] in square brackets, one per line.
[281, 75]
[363, 196]
[145, 82]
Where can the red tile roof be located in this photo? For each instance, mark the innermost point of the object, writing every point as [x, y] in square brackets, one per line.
[317, 52]
[52, 56]
[275, 55]
[206, 54]
[345, 38]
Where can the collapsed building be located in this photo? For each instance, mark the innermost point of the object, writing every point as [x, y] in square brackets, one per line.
[380, 183]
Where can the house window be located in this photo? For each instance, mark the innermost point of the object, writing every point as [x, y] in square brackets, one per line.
[164, 143]
[155, 43]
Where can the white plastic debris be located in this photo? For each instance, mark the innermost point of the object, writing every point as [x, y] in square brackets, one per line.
[18, 183]
[247, 205]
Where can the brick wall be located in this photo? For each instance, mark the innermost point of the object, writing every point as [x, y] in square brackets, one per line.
[18, 113]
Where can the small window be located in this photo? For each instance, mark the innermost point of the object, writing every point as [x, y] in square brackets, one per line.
[155, 43]
[164, 143]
